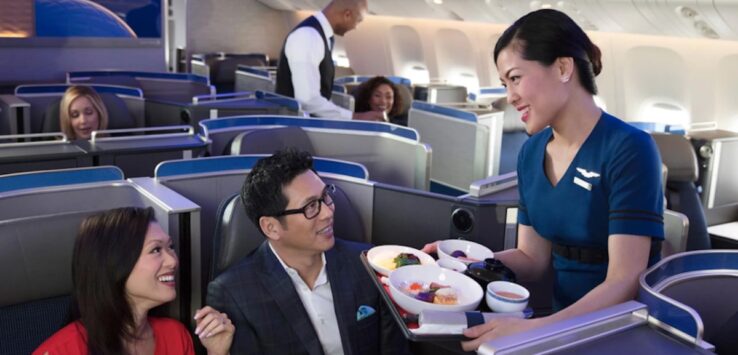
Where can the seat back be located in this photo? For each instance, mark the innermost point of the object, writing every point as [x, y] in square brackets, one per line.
[236, 236]
[36, 254]
[118, 115]
[270, 140]
[681, 192]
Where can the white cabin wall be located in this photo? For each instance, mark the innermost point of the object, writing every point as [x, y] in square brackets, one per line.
[704, 84]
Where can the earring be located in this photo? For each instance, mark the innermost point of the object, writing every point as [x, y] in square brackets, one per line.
[565, 79]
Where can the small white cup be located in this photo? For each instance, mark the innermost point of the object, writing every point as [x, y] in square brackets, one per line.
[451, 264]
[498, 296]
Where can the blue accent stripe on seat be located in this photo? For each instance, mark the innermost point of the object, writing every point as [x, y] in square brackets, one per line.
[362, 78]
[445, 111]
[61, 88]
[227, 122]
[139, 74]
[59, 178]
[246, 162]
[651, 127]
[493, 90]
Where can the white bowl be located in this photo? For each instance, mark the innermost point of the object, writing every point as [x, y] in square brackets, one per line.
[469, 292]
[471, 249]
[499, 302]
[379, 255]
[451, 264]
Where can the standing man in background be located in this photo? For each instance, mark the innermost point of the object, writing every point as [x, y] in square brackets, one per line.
[306, 68]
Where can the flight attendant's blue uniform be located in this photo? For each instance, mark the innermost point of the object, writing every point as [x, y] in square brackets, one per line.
[613, 186]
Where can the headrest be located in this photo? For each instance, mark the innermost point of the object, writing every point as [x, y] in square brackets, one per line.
[236, 236]
[270, 140]
[118, 115]
[678, 155]
[223, 70]
[38, 250]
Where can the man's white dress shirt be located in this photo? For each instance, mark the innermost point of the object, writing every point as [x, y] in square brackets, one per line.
[305, 50]
[318, 303]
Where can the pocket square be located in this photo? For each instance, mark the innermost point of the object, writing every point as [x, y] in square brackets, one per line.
[363, 312]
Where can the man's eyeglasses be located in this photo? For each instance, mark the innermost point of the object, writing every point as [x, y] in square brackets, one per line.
[312, 208]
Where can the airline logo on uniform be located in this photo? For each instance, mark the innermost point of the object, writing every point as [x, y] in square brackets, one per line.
[587, 175]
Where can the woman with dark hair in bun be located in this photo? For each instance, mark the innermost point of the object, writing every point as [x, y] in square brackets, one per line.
[591, 202]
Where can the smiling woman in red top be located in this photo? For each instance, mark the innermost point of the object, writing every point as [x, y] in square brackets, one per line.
[123, 266]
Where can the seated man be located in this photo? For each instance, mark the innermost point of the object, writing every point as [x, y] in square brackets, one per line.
[302, 291]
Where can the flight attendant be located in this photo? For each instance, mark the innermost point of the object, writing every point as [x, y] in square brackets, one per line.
[591, 202]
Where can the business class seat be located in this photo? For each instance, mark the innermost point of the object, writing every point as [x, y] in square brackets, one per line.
[681, 192]
[221, 67]
[270, 140]
[236, 236]
[36, 254]
[119, 116]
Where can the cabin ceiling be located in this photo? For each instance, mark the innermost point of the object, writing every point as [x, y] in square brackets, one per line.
[683, 18]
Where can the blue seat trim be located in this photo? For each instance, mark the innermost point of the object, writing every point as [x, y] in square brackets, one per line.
[339, 88]
[61, 88]
[246, 162]
[50, 178]
[446, 111]
[680, 264]
[140, 74]
[280, 100]
[651, 127]
[252, 70]
[493, 90]
[362, 78]
[226, 122]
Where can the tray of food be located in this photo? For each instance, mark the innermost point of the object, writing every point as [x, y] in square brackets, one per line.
[434, 303]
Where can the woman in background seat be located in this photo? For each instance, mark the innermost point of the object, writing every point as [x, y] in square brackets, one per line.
[124, 265]
[82, 111]
[379, 94]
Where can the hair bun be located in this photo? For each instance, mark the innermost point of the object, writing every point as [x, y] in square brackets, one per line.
[595, 57]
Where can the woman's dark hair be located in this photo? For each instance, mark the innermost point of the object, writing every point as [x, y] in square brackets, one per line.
[546, 35]
[262, 190]
[363, 95]
[106, 250]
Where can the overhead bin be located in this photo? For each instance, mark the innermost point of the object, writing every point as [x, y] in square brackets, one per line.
[40, 215]
[391, 153]
[198, 108]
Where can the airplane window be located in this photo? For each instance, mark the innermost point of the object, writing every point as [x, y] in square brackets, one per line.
[467, 80]
[418, 73]
[666, 113]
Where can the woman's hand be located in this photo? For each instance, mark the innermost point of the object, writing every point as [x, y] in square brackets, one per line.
[496, 328]
[215, 330]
